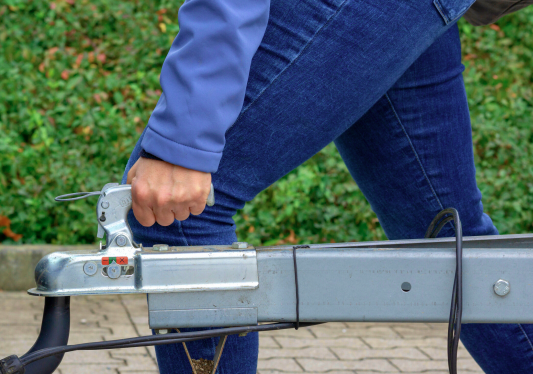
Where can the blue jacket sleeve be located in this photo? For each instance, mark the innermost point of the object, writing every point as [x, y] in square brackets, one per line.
[204, 79]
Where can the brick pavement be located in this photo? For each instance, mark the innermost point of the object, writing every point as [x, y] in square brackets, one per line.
[334, 348]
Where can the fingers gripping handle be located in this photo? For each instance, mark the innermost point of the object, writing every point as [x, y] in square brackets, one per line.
[112, 211]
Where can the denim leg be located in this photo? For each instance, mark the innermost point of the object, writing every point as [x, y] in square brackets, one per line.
[321, 65]
[411, 155]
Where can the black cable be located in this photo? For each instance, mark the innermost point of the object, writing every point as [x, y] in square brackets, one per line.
[456, 310]
[296, 283]
[154, 340]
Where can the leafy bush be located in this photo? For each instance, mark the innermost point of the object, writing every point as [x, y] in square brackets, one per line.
[78, 81]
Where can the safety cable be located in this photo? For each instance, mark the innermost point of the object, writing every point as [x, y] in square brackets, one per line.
[143, 341]
[296, 283]
[456, 310]
[77, 196]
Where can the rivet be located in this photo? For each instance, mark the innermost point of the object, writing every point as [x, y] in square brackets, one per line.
[502, 287]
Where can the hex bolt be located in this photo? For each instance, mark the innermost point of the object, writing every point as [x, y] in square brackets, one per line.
[121, 240]
[90, 268]
[239, 245]
[160, 247]
[502, 287]
[113, 271]
[162, 331]
[105, 204]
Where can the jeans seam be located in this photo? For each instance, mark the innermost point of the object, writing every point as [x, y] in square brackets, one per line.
[183, 234]
[411, 145]
[527, 337]
[437, 5]
[290, 63]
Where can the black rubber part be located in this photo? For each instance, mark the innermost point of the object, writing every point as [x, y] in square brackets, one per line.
[11, 365]
[55, 329]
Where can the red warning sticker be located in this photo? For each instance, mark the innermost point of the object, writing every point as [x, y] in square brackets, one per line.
[121, 260]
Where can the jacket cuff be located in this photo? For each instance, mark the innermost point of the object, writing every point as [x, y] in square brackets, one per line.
[178, 154]
[145, 154]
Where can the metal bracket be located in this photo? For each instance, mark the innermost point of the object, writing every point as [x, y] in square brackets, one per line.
[216, 359]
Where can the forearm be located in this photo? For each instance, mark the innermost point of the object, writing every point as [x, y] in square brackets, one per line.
[204, 80]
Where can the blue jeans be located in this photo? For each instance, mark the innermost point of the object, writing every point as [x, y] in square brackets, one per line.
[383, 81]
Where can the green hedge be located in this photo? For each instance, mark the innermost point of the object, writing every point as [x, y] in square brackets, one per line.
[78, 81]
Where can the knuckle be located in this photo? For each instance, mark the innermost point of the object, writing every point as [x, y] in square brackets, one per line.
[140, 193]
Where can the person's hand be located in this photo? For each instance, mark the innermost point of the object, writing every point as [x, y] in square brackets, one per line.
[162, 192]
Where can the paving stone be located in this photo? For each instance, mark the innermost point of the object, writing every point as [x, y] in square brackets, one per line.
[438, 326]
[87, 369]
[18, 347]
[409, 366]
[18, 332]
[265, 342]
[393, 343]
[95, 318]
[129, 352]
[329, 372]
[281, 364]
[396, 372]
[301, 343]
[136, 363]
[121, 332]
[407, 332]
[151, 350]
[300, 333]
[442, 353]
[321, 353]
[90, 357]
[315, 365]
[358, 353]
[80, 329]
[333, 325]
[376, 331]
[16, 318]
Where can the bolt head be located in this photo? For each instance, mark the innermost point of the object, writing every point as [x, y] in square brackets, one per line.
[162, 331]
[90, 268]
[105, 204]
[121, 240]
[239, 245]
[502, 287]
[113, 271]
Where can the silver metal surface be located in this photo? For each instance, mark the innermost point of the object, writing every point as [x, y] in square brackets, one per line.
[239, 245]
[90, 268]
[241, 316]
[180, 269]
[113, 220]
[211, 197]
[125, 267]
[513, 241]
[502, 287]
[365, 284]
